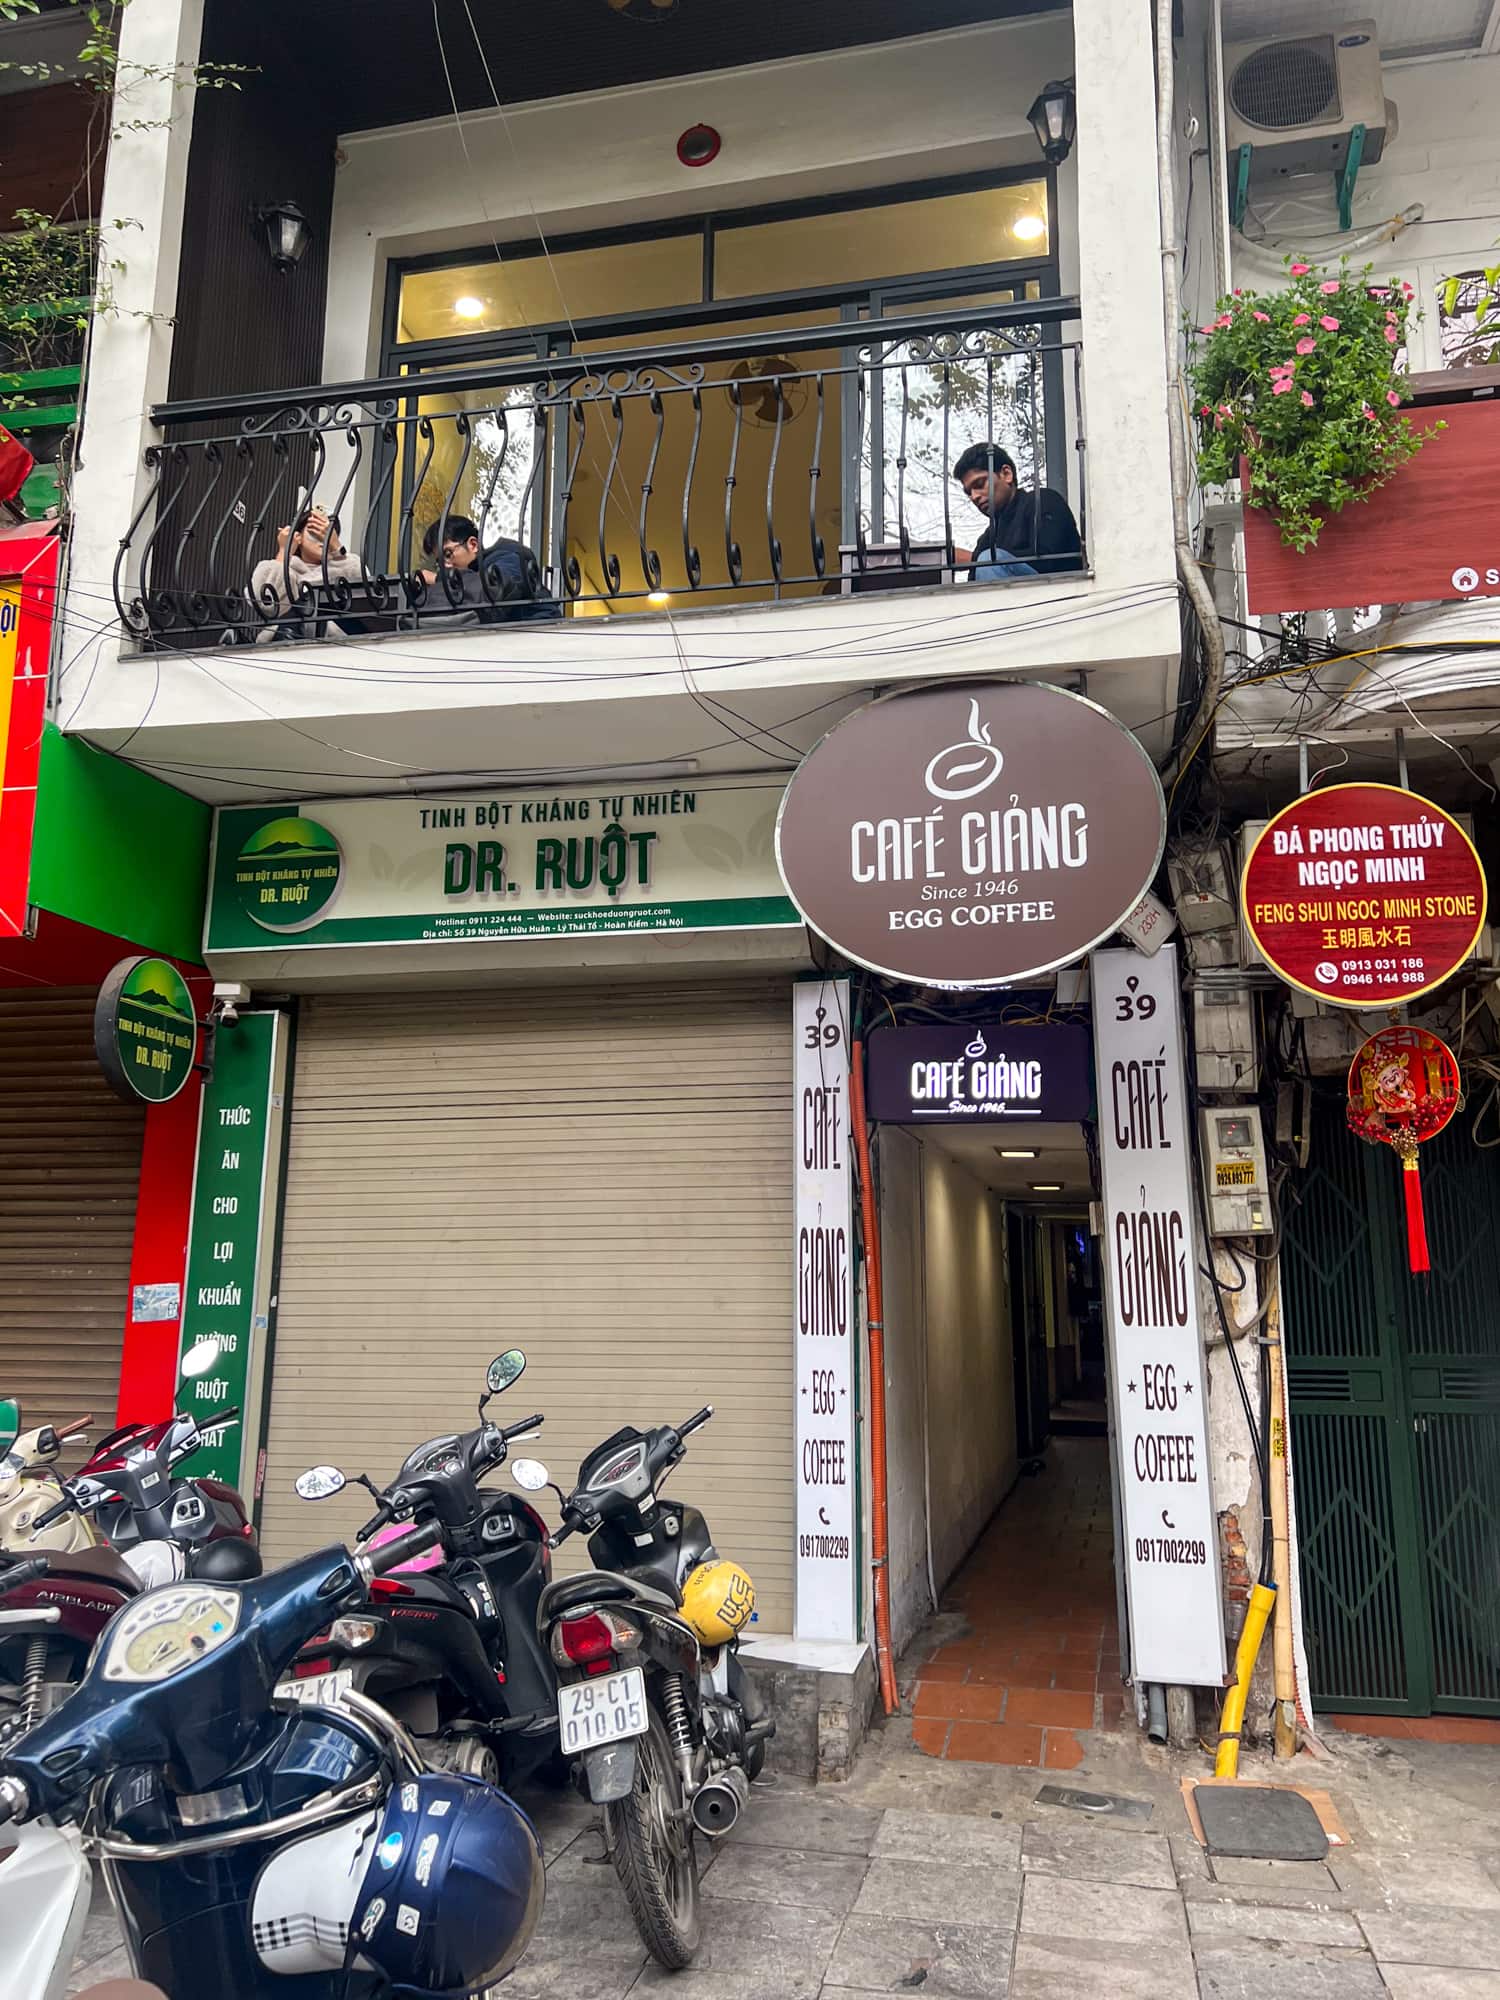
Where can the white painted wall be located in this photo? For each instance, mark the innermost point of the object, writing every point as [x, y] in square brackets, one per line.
[937, 104]
[942, 1242]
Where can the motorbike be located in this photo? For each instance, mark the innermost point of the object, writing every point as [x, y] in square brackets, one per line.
[665, 1728]
[252, 1836]
[452, 1650]
[29, 1486]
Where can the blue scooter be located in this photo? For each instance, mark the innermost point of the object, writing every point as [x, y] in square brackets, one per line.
[242, 1837]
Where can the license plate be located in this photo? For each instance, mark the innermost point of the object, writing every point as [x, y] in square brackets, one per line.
[601, 1711]
[322, 1689]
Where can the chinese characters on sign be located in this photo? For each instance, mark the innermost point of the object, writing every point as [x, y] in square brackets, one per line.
[1365, 895]
[1156, 1349]
[825, 1330]
[971, 835]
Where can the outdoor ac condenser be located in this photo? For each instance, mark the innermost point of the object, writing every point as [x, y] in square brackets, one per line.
[1296, 99]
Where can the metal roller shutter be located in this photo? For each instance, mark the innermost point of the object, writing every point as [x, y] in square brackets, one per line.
[602, 1178]
[70, 1162]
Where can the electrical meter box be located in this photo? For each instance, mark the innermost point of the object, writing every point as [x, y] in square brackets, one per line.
[1234, 1172]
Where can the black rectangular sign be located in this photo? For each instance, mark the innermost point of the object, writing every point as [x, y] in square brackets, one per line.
[1035, 1075]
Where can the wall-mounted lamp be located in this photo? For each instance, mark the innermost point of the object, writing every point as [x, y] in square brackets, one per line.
[1054, 119]
[287, 232]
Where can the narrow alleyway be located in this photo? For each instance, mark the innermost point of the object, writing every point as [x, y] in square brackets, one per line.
[1040, 1658]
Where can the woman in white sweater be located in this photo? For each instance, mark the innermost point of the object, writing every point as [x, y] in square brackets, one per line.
[309, 536]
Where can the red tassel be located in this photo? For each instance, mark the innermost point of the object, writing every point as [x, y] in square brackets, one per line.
[1417, 1258]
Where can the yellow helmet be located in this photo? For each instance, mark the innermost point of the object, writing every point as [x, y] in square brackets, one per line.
[717, 1600]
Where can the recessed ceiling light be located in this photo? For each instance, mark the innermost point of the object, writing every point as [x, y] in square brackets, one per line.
[1015, 1153]
[468, 307]
[658, 599]
[1028, 228]
[1046, 1187]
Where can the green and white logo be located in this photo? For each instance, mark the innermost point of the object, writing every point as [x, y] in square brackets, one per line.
[145, 1029]
[287, 874]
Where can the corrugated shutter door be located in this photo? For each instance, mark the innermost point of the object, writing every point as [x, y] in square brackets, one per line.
[70, 1162]
[601, 1178]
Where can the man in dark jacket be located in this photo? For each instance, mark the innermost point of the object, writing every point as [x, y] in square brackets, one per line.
[1030, 532]
[514, 587]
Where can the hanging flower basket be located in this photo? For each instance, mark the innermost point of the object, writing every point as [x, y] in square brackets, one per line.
[1298, 393]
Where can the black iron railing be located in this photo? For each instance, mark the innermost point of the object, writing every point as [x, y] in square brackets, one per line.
[783, 463]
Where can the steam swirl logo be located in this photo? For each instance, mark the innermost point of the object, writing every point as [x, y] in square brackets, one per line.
[287, 873]
[960, 761]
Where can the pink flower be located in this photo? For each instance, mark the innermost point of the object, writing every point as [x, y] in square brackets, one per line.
[1328, 323]
[1328, 287]
[1300, 270]
[1392, 398]
[1302, 319]
[1205, 329]
[1306, 344]
[1238, 293]
[1279, 388]
[1306, 400]
[1205, 411]
[1368, 412]
[1391, 336]
[1223, 320]
[1407, 291]
[1264, 318]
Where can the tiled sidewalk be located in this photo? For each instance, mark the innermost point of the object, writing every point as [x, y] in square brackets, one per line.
[1039, 1659]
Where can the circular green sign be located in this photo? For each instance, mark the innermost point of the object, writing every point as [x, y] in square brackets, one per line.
[287, 873]
[146, 1029]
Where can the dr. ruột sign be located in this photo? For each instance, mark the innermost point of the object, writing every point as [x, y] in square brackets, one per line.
[491, 865]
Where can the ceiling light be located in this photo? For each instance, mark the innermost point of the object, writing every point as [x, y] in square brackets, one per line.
[658, 599]
[468, 307]
[1028, 228]
[1015, 1153]
[1046, 1187]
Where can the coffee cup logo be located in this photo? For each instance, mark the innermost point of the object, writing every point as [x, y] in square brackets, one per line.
[959, 761]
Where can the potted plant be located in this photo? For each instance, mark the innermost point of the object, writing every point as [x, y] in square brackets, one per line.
[1299, 394]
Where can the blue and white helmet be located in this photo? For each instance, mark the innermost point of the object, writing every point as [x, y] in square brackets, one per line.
[440, 1892]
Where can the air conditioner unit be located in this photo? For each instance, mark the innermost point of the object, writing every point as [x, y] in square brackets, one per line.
[1296, 99]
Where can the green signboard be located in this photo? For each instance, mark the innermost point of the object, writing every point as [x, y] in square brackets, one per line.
[221, 1306]
[476, 866]
[146, 1029]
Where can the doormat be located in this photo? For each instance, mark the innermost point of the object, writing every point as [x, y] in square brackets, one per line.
[1321, 1827]
[1099, 1805]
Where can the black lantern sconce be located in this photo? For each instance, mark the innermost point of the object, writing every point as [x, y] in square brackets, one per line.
[287, 232]
[1054, 119]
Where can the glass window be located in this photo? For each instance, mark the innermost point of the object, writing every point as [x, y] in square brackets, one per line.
[529, 289]
[945, 232]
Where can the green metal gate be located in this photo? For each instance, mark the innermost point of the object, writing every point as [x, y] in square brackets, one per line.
[1394, 1386]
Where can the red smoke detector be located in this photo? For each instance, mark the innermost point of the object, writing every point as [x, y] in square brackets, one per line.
[698, 145]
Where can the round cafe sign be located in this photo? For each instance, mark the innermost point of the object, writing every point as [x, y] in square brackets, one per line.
[973, 834]
[1366, 895]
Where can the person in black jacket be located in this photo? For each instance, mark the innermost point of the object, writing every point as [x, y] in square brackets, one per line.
[1030, 532]
[514, 589]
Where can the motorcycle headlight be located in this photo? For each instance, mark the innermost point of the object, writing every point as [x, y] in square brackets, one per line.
[169, 1629]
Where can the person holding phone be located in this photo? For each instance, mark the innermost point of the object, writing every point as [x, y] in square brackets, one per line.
[279, 585]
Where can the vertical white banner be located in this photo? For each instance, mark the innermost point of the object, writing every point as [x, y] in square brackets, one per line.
[824, 1317]
[1156, 1365]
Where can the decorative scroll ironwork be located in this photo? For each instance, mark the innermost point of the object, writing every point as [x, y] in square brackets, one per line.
[839, 438]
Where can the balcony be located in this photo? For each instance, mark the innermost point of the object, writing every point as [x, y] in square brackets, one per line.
[802, 460]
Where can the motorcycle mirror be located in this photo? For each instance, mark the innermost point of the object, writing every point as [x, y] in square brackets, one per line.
[530, 1473]
[320, 1482]
[504, 1370]
[200, 1357]
[10, 1423]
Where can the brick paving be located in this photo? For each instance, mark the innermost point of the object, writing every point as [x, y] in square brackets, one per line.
[1039, 1660]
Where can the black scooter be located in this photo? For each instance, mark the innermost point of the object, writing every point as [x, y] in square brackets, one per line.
[452, 1652]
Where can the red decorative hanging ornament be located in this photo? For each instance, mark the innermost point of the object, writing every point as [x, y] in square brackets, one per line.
[1404, 1086]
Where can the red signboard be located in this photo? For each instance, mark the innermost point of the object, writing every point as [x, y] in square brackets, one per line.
[1365, 895]
[1430, 534]
[28, 589]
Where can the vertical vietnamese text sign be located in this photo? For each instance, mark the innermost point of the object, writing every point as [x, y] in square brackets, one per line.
[230, 1241]
[1156, 1366]
[824, 1324]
